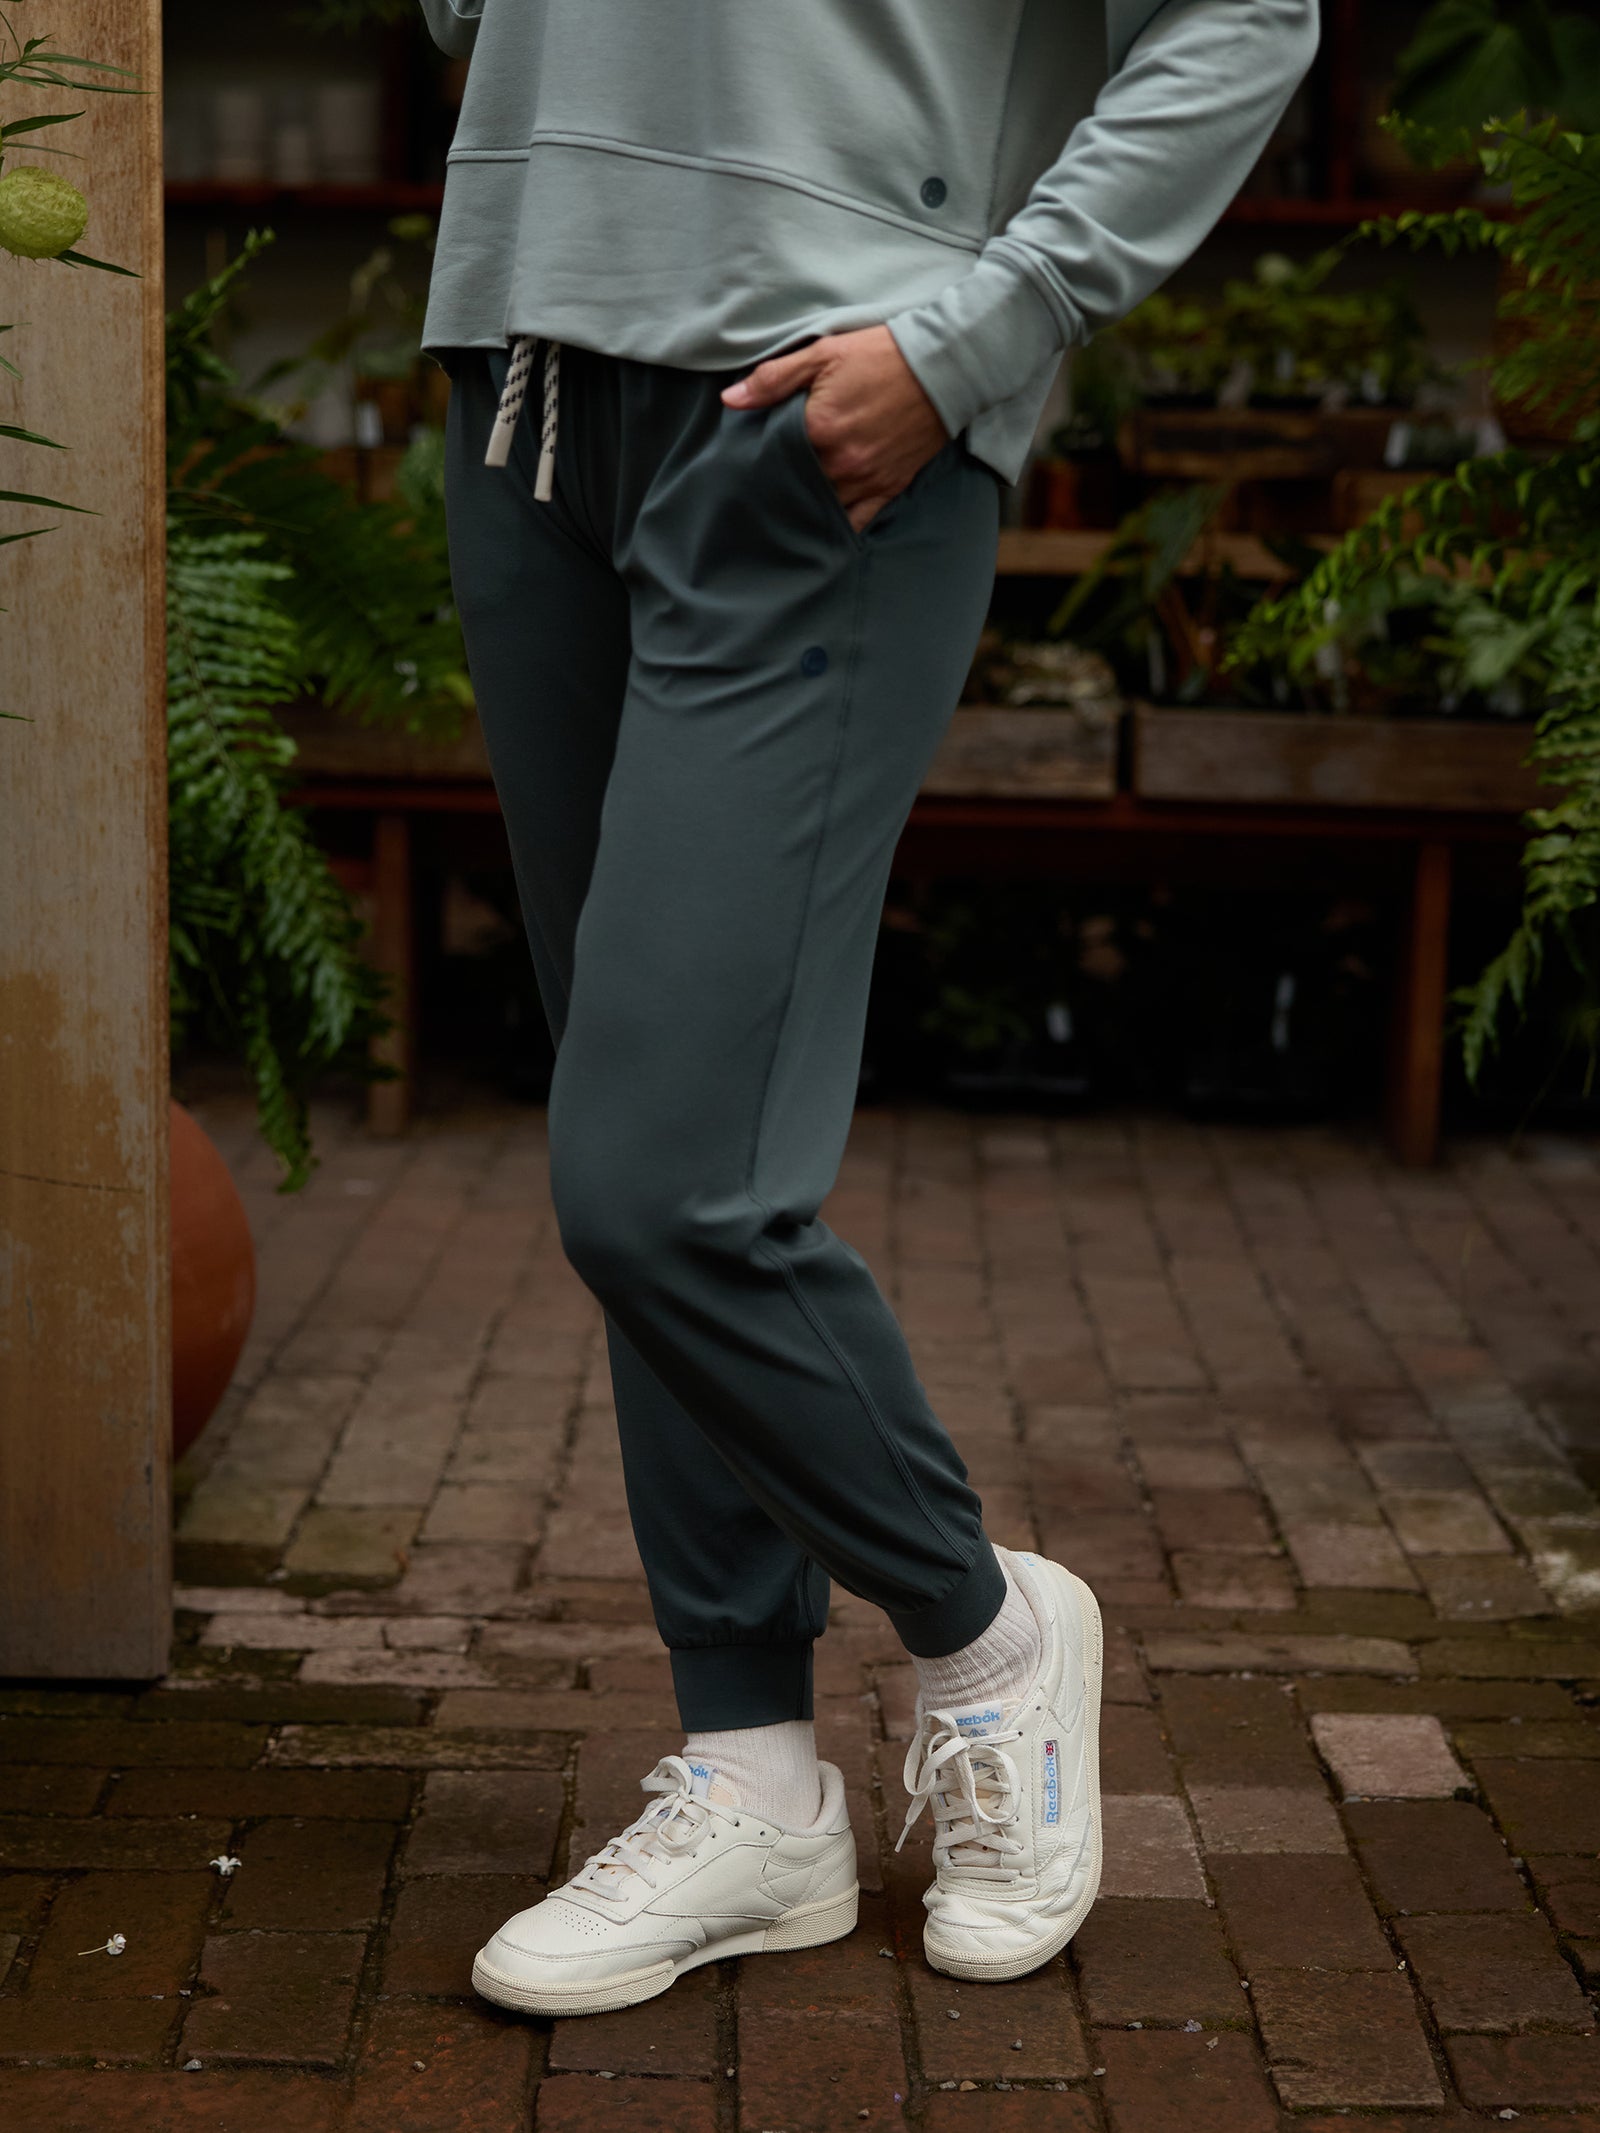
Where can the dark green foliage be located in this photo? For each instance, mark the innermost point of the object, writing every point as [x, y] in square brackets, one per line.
[264, 941]
[1516, 536]
[282, 584]
[1281, 334]
[1475, 61]
[369, 584]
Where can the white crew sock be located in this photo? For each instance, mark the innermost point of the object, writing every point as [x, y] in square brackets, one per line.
[994, 1668]
[772, 1768]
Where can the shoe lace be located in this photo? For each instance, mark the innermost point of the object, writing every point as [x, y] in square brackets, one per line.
[971, 1786]
[669, 1828]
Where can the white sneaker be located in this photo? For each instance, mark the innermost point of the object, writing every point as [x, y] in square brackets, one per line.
[697, 1877]
[1015, 1794]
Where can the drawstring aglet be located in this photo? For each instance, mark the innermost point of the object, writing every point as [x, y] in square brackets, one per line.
[509, 411]
[499, 452]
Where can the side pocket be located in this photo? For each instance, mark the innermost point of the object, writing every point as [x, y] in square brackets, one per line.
[791, 417]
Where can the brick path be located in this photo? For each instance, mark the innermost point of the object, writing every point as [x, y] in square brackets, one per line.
[1318, 1431]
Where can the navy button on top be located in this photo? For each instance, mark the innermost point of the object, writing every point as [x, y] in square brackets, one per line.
[814, 660]
[934, 191]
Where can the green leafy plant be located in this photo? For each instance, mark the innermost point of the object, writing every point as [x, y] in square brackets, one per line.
[369, 584]
[1164, 626]
[1474, 61]
[1169, 347]
[1297, 339]
[264, 942]
[1517, 533]
[1281, 334]
[281, 584]
[42, 215]
[380, 331]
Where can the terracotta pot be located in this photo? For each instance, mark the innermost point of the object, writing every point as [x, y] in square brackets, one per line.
[213, 1279]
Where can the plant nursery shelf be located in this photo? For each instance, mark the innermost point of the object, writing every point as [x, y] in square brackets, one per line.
[1334, 213]
[395, 196]
[1051, 552]
[1260, 795]
[1290, 759]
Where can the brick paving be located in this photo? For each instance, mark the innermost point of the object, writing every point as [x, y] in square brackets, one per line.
[1324, 1436]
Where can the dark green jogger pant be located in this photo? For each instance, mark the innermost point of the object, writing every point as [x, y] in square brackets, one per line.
[708, 703]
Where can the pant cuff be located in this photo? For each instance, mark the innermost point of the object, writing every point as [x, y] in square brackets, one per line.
[723, 1686]
[964, 1613]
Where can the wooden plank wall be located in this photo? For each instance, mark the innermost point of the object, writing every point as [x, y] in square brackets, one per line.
[85, 1415]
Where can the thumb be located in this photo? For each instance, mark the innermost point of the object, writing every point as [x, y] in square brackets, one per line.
[776, 379]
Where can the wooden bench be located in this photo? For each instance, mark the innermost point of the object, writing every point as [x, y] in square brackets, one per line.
[1224, 797]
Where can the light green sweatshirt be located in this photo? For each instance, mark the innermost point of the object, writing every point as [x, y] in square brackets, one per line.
[705, 182]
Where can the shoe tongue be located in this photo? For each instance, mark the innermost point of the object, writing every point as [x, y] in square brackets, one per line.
[710, 1785]
[983, 1718]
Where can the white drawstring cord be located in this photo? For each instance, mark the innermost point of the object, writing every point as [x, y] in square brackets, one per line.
[510, 410]
[511, 399]
[545, 481]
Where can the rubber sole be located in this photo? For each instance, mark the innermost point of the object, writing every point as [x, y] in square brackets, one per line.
[997, 1972]
[809, 1925]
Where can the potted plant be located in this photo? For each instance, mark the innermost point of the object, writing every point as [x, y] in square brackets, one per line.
[1284, 381]
[1077, 479]
[1355, 725]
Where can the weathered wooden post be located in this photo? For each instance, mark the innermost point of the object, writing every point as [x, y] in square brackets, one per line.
[85, 1418]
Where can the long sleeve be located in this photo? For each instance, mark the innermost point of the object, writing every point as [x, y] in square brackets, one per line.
[453, 24]
[1173, 135]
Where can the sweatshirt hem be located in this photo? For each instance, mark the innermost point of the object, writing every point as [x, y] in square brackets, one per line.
[724, 166]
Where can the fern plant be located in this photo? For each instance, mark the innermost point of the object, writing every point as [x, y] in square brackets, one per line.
[1518, 532]
[281, 583]
[368, 584]
[264, 942]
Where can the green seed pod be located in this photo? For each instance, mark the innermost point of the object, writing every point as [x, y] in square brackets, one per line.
[41, 215]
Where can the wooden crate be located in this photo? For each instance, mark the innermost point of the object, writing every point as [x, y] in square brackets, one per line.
[334, 745]
[1253, 443]
[1460, 766]
[992, 752]
[1226, 444]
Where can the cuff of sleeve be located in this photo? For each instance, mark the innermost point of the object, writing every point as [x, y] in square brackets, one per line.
[453, 29]
[979, 341]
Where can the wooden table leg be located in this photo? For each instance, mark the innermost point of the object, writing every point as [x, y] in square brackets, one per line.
[391, 949]
[1416, 1055]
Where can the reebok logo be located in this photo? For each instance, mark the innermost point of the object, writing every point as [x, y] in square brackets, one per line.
[971, 1722]
[1052, 1783]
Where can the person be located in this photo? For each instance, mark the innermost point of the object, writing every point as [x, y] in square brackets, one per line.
[788, 287]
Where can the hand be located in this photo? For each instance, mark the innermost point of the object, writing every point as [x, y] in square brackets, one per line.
[870, 423]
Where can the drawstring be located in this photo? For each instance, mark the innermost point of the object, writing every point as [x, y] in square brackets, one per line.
[510, 410]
